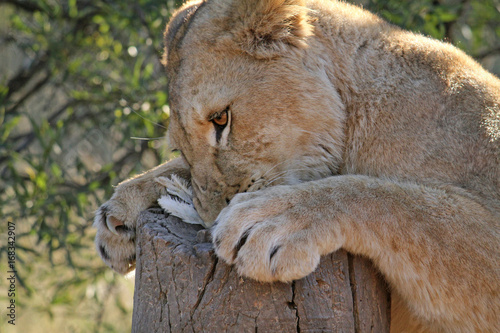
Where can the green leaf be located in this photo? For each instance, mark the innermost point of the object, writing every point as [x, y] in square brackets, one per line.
[6, 128]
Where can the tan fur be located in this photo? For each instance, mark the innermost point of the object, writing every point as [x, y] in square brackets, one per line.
[115, 241]
[383, 142]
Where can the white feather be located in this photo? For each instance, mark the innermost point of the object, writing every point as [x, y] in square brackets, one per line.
[177, 187]
[183, 208]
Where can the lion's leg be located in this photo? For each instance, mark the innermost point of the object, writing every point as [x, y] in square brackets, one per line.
[438, 248]
[402, 318]
[116, 219]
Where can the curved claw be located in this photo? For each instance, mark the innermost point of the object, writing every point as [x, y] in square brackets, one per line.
[113, 224]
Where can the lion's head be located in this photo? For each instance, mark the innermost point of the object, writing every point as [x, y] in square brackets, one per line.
[252, 103]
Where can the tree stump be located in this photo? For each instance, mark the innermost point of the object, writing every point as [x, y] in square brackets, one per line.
[181, 286]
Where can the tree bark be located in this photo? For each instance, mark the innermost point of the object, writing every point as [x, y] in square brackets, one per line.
[181, 286]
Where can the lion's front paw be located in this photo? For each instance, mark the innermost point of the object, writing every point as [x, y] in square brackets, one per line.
[115, 238]
[265, 237]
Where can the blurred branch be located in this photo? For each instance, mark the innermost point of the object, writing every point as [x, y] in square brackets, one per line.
[101, 177]
[29, 93]
[7, 39]
[21, 79]
[29, 137]
[32, 7]
[28, 6]
[487, 53]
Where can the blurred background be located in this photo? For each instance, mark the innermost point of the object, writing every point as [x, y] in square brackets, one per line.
[83, 105]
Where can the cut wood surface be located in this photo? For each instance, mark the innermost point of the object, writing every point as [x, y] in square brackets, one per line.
[181, 286]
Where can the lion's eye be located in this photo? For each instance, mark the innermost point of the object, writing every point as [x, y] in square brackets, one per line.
[222, 123]
[220, 119]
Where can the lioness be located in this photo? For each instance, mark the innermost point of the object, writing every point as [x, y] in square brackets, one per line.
[356, 134]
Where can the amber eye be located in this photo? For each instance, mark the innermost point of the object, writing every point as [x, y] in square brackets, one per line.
[220, 118]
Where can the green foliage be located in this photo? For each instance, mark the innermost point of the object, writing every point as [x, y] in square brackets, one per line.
[471, 25]
[80, 79]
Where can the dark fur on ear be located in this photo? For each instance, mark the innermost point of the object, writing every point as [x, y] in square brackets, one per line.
[267, 28]
[177, 29]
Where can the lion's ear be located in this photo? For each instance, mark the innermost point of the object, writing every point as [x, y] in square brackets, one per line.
[267, 28]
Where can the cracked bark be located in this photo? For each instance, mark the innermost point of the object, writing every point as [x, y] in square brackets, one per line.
[181, 287]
